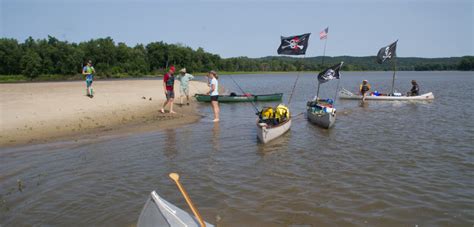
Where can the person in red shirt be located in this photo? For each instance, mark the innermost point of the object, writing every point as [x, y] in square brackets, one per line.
[168, 87]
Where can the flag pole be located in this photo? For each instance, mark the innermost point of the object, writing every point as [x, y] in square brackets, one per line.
[322, 63]
[324, 52]
[337, 88]
[317, 92]
[394, 70]
[296, 81]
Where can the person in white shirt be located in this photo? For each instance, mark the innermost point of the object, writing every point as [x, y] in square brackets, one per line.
[214, 93]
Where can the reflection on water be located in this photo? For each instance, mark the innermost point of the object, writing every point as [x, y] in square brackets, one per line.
[215, 137]
[383, 164]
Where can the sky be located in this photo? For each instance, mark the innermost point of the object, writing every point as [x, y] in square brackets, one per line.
[232, 28]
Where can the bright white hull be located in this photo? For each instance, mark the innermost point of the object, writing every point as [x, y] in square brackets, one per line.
[344, 94]
[159, 212]
[324, 120]
[266, 134]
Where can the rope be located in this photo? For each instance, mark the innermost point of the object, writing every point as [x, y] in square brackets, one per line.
[243, 92]
[296, 81]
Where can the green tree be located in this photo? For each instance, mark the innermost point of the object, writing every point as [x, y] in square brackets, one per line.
[10, 55]
[31, 64]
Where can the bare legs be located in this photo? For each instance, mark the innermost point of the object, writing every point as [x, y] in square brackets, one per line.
[215, 108]
[170, 101]
[90, 91]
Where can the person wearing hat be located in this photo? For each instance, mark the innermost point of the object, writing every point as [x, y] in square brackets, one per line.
[364, 88]
[168, 87]
[184, 78]
[415, 89]
[214, 93]
[88, 71]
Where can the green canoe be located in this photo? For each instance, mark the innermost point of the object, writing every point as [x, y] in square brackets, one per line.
[241, 98]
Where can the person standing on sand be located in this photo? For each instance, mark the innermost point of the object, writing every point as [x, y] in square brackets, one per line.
[168, 87]
[184, 78]
[214, 93]
[88, 71]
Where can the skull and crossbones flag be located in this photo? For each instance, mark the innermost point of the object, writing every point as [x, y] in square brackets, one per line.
[387, 53]
[294, 45]
[330, 73]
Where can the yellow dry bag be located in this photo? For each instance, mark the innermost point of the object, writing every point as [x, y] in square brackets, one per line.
[282, 112]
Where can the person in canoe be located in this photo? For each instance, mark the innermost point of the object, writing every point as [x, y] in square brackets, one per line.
[184, 79]
[415, 89]
[88, 71]
[168, 87]
[364, 88]
[214, 93]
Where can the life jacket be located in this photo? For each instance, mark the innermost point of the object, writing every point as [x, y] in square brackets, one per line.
[267, 113]
[282, 112]
[364, 88]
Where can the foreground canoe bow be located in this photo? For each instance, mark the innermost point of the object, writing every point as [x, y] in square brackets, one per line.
[345, 94]
[241, 98]
[159, 212]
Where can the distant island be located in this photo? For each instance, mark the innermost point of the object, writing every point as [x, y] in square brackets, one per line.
[52, 59]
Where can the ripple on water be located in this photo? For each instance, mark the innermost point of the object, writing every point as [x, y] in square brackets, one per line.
[383, 164]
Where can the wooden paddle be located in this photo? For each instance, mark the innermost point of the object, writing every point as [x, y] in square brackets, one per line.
[175, 177]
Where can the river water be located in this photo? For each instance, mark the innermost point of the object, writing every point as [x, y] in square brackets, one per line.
[383, 164]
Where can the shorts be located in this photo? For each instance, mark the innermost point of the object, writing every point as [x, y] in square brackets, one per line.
[169, 95]
[88, 83]
[214, 97]
[184, 91]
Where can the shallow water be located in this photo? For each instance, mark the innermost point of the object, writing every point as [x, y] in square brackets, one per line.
[383, 164]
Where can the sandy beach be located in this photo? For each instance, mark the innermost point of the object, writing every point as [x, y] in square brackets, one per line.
[42, 112]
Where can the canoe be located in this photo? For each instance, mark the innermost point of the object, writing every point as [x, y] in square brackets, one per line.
[159, 212]
[266, 133]
[345, 94]
[241, 98]
[322, 119]
[321, 112]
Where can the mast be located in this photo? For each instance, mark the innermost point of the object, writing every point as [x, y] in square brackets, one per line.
[322, 63]
[393, 78]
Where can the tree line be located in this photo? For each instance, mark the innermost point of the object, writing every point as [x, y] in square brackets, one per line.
[52, 56]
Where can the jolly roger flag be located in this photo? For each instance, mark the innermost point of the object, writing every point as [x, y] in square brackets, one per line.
[294, 45]
[387, 53]
[330, 73]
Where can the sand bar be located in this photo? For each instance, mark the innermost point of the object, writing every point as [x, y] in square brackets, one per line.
[41, 112]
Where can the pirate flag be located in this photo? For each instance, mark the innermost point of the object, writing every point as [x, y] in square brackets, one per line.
[387, 53]
[294, 45]
[330, 73]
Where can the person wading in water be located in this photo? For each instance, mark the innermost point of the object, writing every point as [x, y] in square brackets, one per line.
[415, 89]
[364, 88]
[214, 93]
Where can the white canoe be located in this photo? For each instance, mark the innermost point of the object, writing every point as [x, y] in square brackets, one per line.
[345, 94]
[159, 212]
[266, 133]
[324, 120]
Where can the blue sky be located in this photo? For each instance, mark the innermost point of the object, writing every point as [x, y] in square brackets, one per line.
[230, 28]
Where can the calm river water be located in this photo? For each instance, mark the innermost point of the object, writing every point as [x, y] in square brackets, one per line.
[383, 164]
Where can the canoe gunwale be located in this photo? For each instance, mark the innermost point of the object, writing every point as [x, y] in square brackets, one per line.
[241, 98]
[345, 94]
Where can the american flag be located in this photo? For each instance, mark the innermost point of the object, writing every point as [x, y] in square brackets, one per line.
[323, 34]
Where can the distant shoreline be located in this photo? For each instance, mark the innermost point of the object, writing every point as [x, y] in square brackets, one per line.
[79, 77]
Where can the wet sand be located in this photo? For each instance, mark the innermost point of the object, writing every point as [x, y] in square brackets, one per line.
[44, 112]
